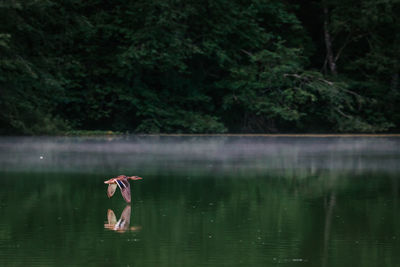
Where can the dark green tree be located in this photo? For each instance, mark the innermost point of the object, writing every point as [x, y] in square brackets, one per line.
[190, 67]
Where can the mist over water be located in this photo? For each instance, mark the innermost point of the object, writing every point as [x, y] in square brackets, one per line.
[216, 154]
[203, 201]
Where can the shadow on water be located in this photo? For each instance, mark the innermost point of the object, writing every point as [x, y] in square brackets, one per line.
[214, 204]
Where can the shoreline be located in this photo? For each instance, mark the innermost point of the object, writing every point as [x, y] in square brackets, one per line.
[214, 135]
[278, 135]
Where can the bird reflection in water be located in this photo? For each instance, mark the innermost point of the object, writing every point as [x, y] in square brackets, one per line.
[122, 225]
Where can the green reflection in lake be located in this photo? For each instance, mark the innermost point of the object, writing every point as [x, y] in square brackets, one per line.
[323, 217]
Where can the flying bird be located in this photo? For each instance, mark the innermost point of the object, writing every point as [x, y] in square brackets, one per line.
[123, 184]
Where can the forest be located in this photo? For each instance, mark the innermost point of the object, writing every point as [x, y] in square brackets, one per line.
[211, 66]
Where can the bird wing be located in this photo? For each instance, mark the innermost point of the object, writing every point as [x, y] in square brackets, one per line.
[111, 190]
[125, 189]
[124, 221]
[112, 220]
[126, 214]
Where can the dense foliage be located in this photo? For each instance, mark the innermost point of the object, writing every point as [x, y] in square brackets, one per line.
[217, 66]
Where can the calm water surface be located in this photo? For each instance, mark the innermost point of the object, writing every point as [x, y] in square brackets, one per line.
[204, 201]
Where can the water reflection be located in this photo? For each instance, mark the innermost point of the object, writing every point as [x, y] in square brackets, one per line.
[224, 202]
[122, 225]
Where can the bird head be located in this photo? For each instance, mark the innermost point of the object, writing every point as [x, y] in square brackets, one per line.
[135, 178]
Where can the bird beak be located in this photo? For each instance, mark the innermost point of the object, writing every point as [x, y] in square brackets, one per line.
[137, 178]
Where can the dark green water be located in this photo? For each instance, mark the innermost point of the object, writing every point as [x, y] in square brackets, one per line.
[203, 202]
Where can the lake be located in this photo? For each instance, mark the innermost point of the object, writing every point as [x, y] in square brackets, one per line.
[203, 201]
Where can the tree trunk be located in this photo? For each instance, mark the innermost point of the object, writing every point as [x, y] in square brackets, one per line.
[328, 43]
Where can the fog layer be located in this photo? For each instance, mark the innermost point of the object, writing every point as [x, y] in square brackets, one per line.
[188, 154]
